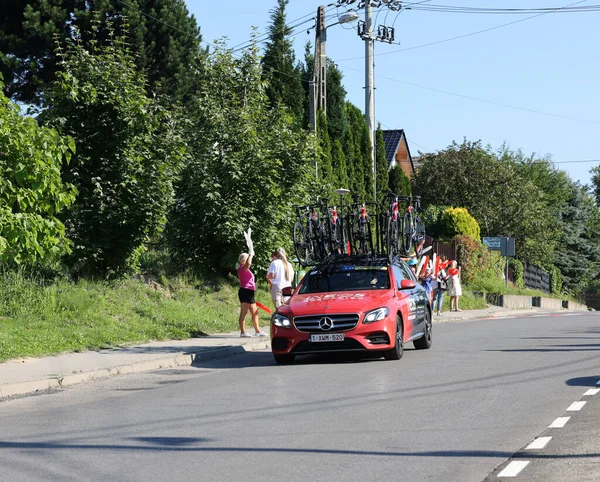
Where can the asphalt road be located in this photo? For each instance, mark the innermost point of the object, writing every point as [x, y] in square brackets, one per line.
[461, 411]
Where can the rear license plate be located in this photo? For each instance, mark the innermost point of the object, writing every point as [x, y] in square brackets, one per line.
[327, 337]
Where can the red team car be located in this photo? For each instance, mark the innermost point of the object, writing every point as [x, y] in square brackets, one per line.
[367, 305]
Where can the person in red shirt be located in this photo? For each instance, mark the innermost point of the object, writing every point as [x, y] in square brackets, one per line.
[247, 289]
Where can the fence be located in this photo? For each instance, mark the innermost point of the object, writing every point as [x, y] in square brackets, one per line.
[592, 299]
[444, 249]
[536, 278]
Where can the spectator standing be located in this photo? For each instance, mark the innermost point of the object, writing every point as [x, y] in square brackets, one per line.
[440, 286]
[454, 288]
[280, 274]
[427, 282]
[247, 289]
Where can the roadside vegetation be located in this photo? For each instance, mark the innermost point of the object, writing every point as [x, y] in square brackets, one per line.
[140, 141]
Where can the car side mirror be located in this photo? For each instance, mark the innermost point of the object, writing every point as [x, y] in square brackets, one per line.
[407, 284]
[287, 291]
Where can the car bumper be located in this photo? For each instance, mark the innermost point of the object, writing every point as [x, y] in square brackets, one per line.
[378, 336]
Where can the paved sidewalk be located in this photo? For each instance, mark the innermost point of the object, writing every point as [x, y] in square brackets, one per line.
[29, 375]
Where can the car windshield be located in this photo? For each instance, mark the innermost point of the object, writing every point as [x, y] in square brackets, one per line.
[345, 278]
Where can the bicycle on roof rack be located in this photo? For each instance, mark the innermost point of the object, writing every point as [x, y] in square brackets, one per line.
[413, 227]
[308, 235]
[391, 224]
[322, 233]
[359, 229]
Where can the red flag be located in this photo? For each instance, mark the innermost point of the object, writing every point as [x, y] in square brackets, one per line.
[263, 307]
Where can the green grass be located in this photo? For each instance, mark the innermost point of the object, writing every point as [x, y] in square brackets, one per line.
[38, 318]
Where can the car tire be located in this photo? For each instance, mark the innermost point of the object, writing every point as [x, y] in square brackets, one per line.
[424, 342]
[284, 359]
[398, 350]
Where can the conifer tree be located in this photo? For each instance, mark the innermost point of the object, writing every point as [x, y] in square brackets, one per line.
[279, 64]
[382, 166]
[166, 40]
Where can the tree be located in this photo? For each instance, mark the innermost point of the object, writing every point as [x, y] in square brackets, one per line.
[578, 252]
[398, 182]
[249, 167]
[337, 118]
[595, 172]
[166, 40]
[500, 192]
[279, 65]
[358, 154]
[325, 169]
[32, 193]
[382, 166]
[129, 150]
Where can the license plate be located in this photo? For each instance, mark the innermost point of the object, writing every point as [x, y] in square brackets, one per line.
[327, 337]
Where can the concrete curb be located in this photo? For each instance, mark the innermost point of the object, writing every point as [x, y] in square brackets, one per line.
[182, 359]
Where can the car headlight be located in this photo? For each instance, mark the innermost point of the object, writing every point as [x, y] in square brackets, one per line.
[281, 321]
[376, 315]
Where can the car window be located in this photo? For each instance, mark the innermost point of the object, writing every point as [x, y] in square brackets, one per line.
[403, 272]
[345, 278]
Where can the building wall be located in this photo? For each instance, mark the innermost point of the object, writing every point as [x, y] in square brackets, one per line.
[402, 159]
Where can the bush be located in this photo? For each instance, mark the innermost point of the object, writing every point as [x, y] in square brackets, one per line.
[518, 271]
[555, 280]
[432, 216]
[476, 260]
[458, 221]
[32, 193]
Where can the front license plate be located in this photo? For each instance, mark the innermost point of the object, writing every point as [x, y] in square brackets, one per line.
[328, 337]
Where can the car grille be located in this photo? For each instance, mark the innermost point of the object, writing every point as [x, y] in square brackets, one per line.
[305, 347]
[312, 323]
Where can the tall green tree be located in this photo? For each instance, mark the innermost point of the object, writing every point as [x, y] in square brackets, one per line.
[165, 37]
[32, 193]
[498, 190]
[398, 181]
[337, 118]
[129, 150]
[279, 65]
[358, 154]
[325, 167]
[578, 251]
[382, 166]
[595, 172]
[249, 166]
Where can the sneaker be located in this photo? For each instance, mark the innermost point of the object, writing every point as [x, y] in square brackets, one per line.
[261, 333]
[245, 335]
[438, 314]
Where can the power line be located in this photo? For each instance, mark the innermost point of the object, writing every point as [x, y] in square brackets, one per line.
[460, 36]
[487, 101]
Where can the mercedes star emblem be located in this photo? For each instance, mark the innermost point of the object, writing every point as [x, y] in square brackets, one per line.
[326, 324]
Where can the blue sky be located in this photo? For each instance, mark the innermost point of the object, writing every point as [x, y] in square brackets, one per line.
[451, 90]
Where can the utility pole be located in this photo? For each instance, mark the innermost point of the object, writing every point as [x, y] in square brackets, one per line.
[318, 86]
[369, 102]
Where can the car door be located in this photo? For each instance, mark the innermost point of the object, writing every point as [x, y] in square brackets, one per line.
[417, 299]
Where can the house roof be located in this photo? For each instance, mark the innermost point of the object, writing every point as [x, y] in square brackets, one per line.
[392, 139]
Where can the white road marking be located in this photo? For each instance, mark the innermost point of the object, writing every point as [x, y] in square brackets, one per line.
[576, 406]
[513, 469]
[560, 422]
[592, 391]
[538, 443]
[538, 316]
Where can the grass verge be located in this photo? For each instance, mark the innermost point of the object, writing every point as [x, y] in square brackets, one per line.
[38, 318]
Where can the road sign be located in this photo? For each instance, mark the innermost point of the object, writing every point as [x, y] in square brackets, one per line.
[493, 243]
[505, 245]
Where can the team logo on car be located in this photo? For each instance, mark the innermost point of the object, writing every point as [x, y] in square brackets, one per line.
[326, 324]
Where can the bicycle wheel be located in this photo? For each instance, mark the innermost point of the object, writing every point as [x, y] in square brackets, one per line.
[392, 238]
[419, 237]
[302, 245]
[408, 232]
[337, 244]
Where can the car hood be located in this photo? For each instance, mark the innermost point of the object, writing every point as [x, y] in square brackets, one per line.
[338, 302]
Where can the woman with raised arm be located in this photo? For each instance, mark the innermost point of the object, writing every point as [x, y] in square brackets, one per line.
[247, 289]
